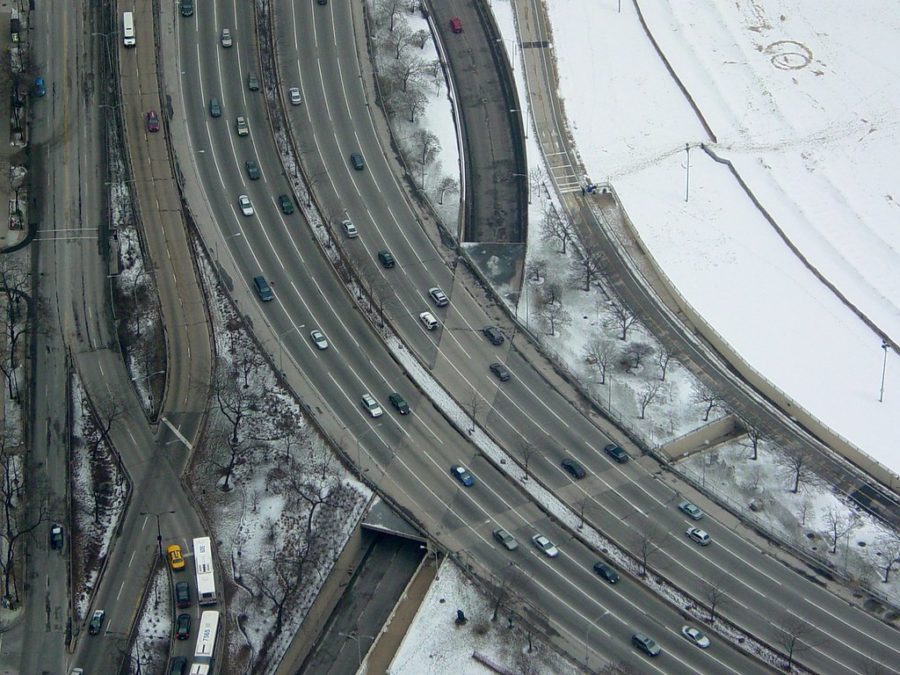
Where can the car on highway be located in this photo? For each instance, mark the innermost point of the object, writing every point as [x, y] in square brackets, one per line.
[399, 403]
[226, 38]
[178, 666]
[616, 453]
[240, 124]
[252, 82]
[493, 334]
[183, 627]
[545, 546]
[183, 594]
[371, 405]
[505, 539]
[386, 259]
[356, 160]
[252, 169]
[323, 2]
[427, 318]
[606, 571]
[645, 644]
[77, 671]
[573, 468]
[318, 339]
[349, 228]
[187, 7]
[152, 121]
[287, 206]
[500, 371]
[96, 622]
[456, 25]
[40, 87]
[56, 537]
[695, 636]
[461, 473]
[699, 536]
[691, 510]
[245, 205]
[438, 296]
[215, 108]
[173, 555]
[294, 96]
[263, 290]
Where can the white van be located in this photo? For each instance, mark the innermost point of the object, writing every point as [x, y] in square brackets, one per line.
[128, 29]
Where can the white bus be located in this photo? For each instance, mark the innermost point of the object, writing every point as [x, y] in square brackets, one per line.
[206, 643]
[206, 578]
[128, 29]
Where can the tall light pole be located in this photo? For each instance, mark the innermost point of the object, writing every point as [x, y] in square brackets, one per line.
[281, 346]
[884, 346]
[158, 530]
[357, 637]
[687, 171]
[587, 650]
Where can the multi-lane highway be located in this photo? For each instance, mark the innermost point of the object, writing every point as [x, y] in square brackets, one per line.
[318, 50]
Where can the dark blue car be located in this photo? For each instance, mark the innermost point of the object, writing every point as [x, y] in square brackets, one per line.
[462, 474]
[40, 88]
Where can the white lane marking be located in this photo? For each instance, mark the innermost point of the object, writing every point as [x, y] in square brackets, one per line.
[849, 625]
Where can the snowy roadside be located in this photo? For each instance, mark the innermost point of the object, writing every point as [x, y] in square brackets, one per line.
[150, 649]
[280, 504]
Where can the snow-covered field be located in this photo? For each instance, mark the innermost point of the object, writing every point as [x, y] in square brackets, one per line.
[150, 649]
[802, 99]
[435, 644]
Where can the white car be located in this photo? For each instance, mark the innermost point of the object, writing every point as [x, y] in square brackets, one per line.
[349, 229]
[371, 405]
[246, 206]
[294, 96]
[545, 545]
[700, 536]
[427, 318]
[318, 338]
[240, 123]
[226, 38]
[438, 297]
[695, 636]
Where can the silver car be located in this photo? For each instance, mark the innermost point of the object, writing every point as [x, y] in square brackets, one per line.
[318, 339]
[294, 96]
[246, 206]
[371, 405]
[506, 539]
[545, 546]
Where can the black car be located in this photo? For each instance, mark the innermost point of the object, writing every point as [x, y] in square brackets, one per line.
[606, 572]
[616, 453]
[183, 627]
[182, 594]
[96, 622]
[178, 666]
[399, 403]
[574, 468]
[500, 371]
[287, 206]
[56, 537]
[356, 160]
[387, 260]
[493, 334]
[252, 169]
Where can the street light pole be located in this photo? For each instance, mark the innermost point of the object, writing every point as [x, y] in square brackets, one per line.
[587, 651]
[884, 346]
[158, 529]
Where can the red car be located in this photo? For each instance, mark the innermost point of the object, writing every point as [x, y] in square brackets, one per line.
[152, 121]
[456, 25]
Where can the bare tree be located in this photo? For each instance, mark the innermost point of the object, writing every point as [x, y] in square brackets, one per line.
[600, 353]
[273, 580]
[840, 522]
[795, 464]
[413, 100]
[647, 394]
[554, 315]
[234, 400]
[388, 12]
[400, 38]
[555, 227]
[618, 668]
[753, 437]
[447, 184]
[536, 269]
[528, 451]
[227, 456]
[622, 318]
[647, 547]
[420, 38]
[502, 587]
[663, 356]
[537, 178]
[474, 407]
[635, 353]
[792, 635]
[586, 263]
[14, 280]
[704, 396]
[715, 596]
[426, 146]
[108, 409]
[406, 70]
[889, 554]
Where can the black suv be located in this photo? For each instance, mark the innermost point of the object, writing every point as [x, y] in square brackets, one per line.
[606, 572]
[574, 468]
[287, 206]
[493, 334]
[178, 666]
[387, 260]
[182, 594]
[616, 453]
[183, 627]
[399, 403]
[500, 371]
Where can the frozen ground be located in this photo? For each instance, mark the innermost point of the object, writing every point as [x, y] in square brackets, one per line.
[154, 631]
[280, 504]
[435, 645]
[802, 98]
